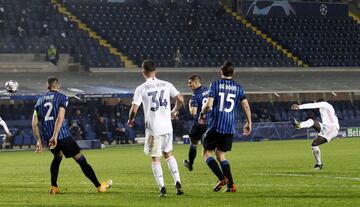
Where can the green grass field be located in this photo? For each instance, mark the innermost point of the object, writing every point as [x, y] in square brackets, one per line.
[277, 173]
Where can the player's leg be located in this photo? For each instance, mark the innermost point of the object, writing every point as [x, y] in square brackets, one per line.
[307, 124]
[152, 147]
[174, 170]
[316, 151]
[158, 175]
[54, 170]
[225, 146]
[225, 166]
[195, 135]
[214, 166]
[71, 149]
[209, 145]
[192, 154]
[171, 161]
[87, 169]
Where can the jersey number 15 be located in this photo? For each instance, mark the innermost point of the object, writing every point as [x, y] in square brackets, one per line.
[230, 98]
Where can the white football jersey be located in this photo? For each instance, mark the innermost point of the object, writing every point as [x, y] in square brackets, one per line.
[327, 112]
[155, 95]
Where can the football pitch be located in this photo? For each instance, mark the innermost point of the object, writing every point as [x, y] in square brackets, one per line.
[276, 173]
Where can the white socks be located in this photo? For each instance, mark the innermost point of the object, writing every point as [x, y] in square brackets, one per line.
[307, 124]
[158, 174]
[173, 167]
[317, 154]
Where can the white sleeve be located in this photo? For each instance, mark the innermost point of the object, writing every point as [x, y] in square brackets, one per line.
[3, 124]
[173, 91]
[314, 105]
[137, 99]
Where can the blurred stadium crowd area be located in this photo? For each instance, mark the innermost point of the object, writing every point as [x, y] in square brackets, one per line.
[174, 33]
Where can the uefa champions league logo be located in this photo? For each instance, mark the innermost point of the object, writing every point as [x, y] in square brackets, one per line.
[323, 9]
[285, 5]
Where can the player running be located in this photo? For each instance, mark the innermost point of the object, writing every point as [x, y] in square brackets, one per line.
[327, 129]
[155, 95]
[224, 96]
[49, 113]
[199, 98]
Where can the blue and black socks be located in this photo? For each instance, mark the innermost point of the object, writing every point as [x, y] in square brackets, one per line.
[192, 154]
[88, 171]
[213, 165]
[54, 170]
[225, 166]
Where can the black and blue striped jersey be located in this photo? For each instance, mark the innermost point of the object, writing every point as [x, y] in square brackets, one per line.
[227, 94]
[47, 109]
[199, 98]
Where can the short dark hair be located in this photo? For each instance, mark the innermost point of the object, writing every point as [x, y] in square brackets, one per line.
[195, 77]
[148, 65]
[227, 68]
[51, 81]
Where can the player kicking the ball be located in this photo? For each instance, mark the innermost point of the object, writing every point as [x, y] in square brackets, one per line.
[327, 129]
[49, 113]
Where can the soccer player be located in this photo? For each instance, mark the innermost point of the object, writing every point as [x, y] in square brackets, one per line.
[224, 96]
[4, 125]
[50, 112]
[155, 95]
[199, 98]
[327, 129]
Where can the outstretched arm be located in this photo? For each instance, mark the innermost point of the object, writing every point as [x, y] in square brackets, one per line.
[310, 106]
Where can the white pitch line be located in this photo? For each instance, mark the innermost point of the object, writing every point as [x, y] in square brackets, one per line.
[302, 175]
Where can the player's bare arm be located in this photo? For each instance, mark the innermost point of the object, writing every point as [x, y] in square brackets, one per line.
[36, 131]
[179, 102]
[192, 110]
[58, 123]
[247, 111]
[132, 114]
[206, 108]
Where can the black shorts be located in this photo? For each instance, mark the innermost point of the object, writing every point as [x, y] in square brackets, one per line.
[67, 146]
[197, 132]
[214, 140]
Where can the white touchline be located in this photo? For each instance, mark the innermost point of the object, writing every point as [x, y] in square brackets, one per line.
[302, 175]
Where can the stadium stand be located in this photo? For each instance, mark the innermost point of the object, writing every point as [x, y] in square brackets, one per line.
[318, 41]
[31, 26]
[205, 33]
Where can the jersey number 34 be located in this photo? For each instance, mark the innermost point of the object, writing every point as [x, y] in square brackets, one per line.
[157, 101]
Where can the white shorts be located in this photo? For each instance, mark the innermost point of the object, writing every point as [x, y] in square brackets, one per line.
[329, 132]
[156, 144]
